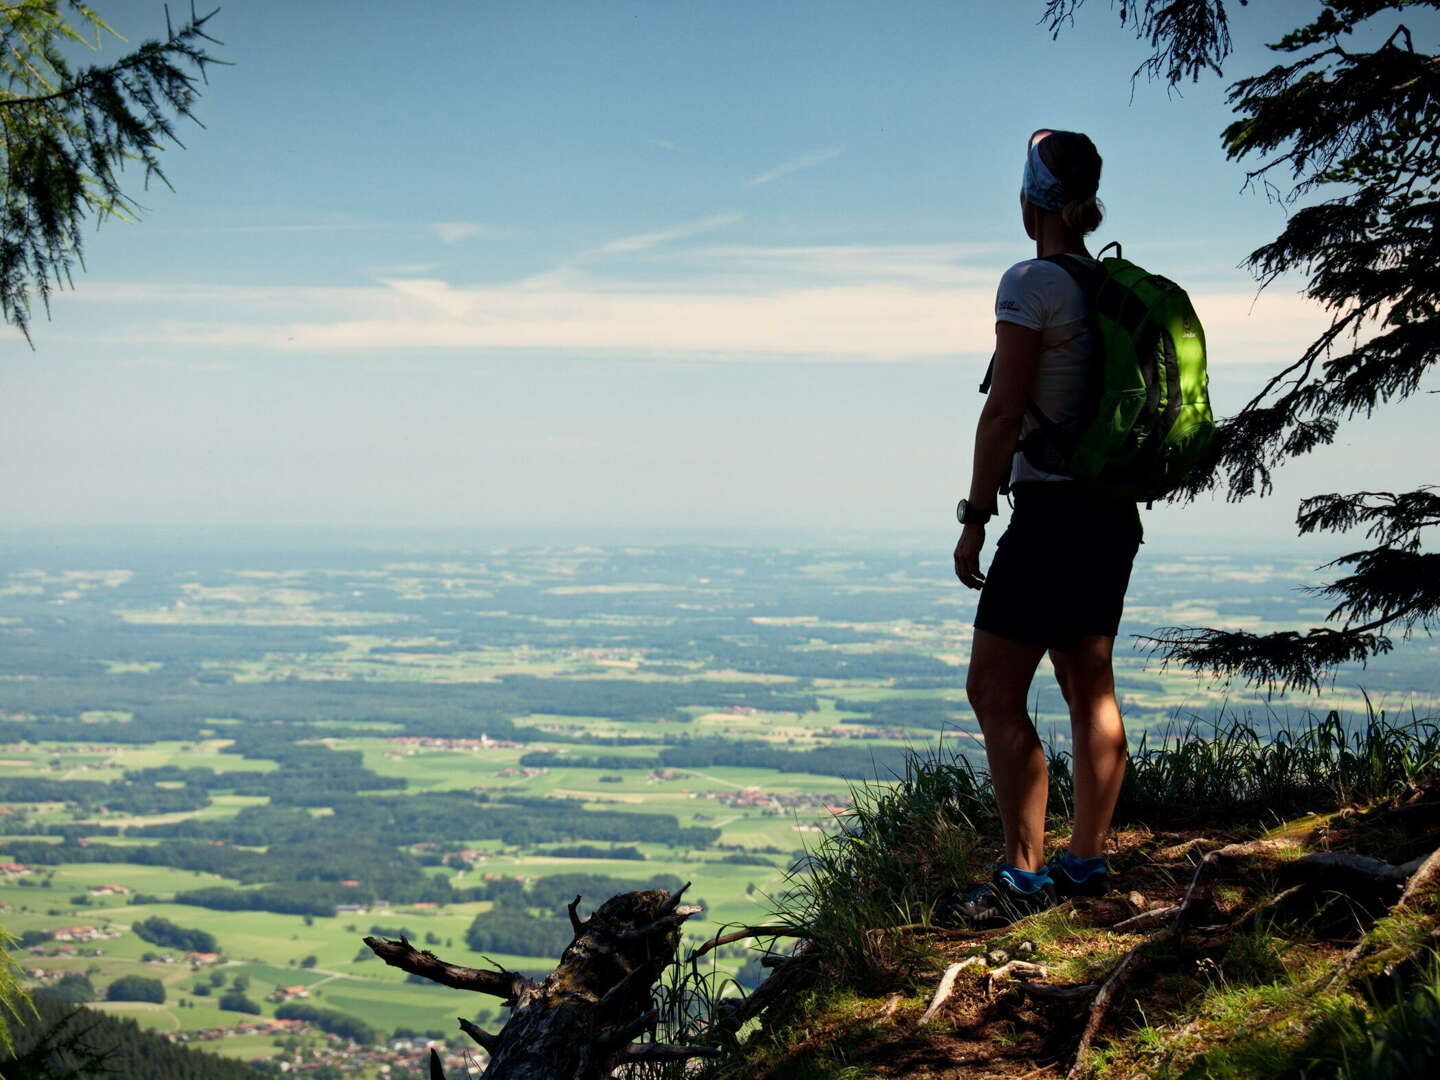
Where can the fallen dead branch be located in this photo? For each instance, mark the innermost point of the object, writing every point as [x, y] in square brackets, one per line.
[744, 933]
[947, 985]
[1146, 920]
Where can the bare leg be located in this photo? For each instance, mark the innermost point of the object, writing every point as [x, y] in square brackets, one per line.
[999, 683]
[1087, 680]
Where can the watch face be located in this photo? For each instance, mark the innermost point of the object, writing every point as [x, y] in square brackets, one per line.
[960, 508]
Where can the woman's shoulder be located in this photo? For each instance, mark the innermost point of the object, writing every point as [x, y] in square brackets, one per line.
[1034, 272]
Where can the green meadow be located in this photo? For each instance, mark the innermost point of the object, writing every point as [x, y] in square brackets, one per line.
[261, 722]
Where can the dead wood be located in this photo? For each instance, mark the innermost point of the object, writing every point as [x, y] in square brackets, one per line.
[784, 981]
[1425, 876]
[1017, 970]
[1180, 851]
[1066, 994]
[947, 985]
[581, 1021]
[743, 934]
[1251, 849]
[1344, 869]
[500, 983]
[1146, 920]
[487, 1041]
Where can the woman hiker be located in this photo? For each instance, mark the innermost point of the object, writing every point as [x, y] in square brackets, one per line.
[1057, 581]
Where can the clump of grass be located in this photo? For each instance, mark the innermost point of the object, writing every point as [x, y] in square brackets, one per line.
[817, 1039]
[1253, 957]
[935, 827]
[1233, 771]
[1401, 1040]
[901, 845]
[1341, 1037]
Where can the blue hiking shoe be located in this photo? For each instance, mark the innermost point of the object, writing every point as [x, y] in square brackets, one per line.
[1079, 877]
[1009, 895]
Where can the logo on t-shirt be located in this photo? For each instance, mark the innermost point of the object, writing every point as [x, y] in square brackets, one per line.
[1007, 305]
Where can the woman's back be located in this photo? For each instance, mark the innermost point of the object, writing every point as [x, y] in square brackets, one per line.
[1042, 296]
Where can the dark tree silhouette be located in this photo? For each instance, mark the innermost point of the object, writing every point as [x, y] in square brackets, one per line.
[581, 1021]
[1360, 131]
[69, 131]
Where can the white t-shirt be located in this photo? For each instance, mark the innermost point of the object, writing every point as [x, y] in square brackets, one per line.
[1042, 296]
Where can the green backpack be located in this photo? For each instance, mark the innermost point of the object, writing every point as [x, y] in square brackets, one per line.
[1150, 422]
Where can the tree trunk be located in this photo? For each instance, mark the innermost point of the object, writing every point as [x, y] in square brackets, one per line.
[581, 1020]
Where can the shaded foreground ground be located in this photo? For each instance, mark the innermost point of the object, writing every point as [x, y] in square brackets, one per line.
[1285, 960]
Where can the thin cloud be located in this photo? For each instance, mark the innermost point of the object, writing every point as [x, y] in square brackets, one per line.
[914, 314]
[569, 269]
[645, 241]
[796, 164]
[452, 232]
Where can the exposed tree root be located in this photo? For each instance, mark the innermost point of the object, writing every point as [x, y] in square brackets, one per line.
[1135, 958]
[947, 985]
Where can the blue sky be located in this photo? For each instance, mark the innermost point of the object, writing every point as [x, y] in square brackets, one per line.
[716, 266]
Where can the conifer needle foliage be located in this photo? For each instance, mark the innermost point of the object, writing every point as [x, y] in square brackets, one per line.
[68, 132]
[1355, 132]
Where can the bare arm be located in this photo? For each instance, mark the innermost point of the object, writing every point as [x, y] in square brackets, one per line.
[1017, 355]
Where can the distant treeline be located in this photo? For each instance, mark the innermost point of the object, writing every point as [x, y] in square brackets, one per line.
[306, 773]
[336, 1023]
[92, 795]
[166, 708]
[161, 931]
[592, 851]
[308, 858]
[850, 762]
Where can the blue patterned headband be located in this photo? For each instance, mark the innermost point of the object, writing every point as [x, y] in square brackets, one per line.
[1040, 187]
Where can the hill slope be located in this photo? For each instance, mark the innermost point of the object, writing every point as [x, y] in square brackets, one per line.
[1233, 950]
[58, 1041]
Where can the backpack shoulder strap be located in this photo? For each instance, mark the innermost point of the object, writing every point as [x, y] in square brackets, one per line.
[1087, 273]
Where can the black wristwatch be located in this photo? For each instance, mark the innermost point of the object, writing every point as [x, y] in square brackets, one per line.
[970, 515]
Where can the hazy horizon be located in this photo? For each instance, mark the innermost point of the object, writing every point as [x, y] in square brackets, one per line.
[640, 267]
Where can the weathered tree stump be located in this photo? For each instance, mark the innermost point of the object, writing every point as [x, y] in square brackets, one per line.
[581, 1021]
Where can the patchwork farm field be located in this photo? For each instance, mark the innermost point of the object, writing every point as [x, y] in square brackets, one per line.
[273, 755]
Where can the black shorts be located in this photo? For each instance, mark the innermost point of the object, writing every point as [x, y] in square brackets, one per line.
[1062, 566]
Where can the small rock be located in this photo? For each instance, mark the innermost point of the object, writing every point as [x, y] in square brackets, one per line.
[1025, 950]
[996, 957]
[1137, 901]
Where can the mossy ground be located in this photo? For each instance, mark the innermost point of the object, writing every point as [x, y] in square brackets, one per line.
[1246, 991]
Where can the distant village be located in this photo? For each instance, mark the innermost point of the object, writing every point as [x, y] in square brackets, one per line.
[334, 1050]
